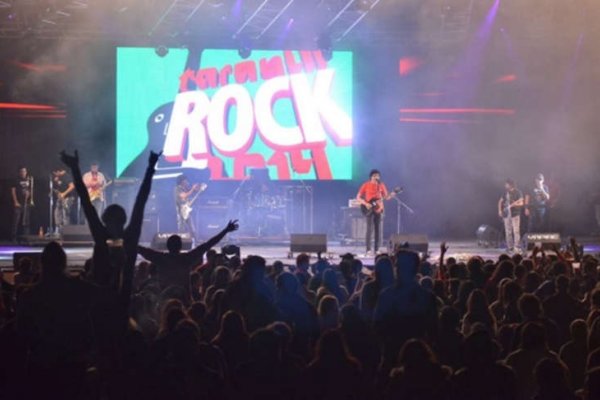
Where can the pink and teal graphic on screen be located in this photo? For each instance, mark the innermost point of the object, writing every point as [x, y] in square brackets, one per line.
[287, 111]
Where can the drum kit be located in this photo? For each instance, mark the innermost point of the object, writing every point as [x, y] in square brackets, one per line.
[261, 209]
[265, 213]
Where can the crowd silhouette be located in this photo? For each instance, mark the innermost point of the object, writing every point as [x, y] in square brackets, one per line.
[207, 325]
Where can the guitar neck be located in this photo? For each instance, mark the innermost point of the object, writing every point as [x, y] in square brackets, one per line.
[194, 197]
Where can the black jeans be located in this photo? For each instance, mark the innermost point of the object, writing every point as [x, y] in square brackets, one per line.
[21, 218]
[373, 223]
[537, 220]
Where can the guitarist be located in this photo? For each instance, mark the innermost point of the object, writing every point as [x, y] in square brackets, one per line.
[96, 182]
[510, 205]
[371, 195]
[63, 191]
[184, 193]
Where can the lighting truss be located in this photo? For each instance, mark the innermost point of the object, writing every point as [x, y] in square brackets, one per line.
[262, 17]
[175, 17]
[456, 19]
[348, 17]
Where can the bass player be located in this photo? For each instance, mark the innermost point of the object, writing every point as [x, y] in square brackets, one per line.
[371, 195]
[185, 195]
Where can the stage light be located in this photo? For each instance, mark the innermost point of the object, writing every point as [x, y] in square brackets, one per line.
[161, 51]
[244, 52]
[244, 48]
[487, 236]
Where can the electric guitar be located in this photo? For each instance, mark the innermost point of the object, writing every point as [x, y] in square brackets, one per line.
[97, 193]
[61, 200]
[506, 207]
[185, 209]
[376, 205]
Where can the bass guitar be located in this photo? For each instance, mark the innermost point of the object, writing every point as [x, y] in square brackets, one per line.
[185, 209]
[376, 205]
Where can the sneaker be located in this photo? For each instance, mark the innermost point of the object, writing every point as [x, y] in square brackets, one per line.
[369, 253]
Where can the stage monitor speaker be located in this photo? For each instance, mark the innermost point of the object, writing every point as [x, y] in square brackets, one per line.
[159, 242]
[77, 235]
[412, 241]
[308, 243]
[33, 256]
[544, 240]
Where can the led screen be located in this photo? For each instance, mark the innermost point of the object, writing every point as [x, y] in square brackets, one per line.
[289, 112]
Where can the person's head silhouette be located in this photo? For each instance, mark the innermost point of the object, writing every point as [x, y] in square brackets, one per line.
[54, 260]
[407, 265]
[174, 244]
[114, 218]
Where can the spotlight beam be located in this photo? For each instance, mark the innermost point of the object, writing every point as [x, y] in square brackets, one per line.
[339, 14]
[162, 17]
[251, 17]
[194, 11]
[358, 20]
[275, 18]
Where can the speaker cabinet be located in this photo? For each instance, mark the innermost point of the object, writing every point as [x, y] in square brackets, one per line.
[150, 227]
[308, 243]
[546, 241]
[412, 241]
[73, 235]
[210, 220]
[354, 224]
[159, 242]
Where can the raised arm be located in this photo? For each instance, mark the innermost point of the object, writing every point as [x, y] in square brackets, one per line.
[150, 254]
[96, 227]
[442, 273]
[137, 215]
[199, 250]
[134, 229]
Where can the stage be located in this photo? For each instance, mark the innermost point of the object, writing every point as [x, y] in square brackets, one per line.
[273, 250]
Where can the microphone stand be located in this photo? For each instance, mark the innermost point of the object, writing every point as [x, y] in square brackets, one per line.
[308, 190]
[399, 205]
[51, 222]
[234, 196]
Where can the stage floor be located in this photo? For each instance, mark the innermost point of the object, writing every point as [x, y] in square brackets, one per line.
[461, 249]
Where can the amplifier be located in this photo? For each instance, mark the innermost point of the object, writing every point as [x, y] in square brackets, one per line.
[210, 220]
[354, 224]
[159, 242]
[213, 201]
[544, 240]
[73, 235]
